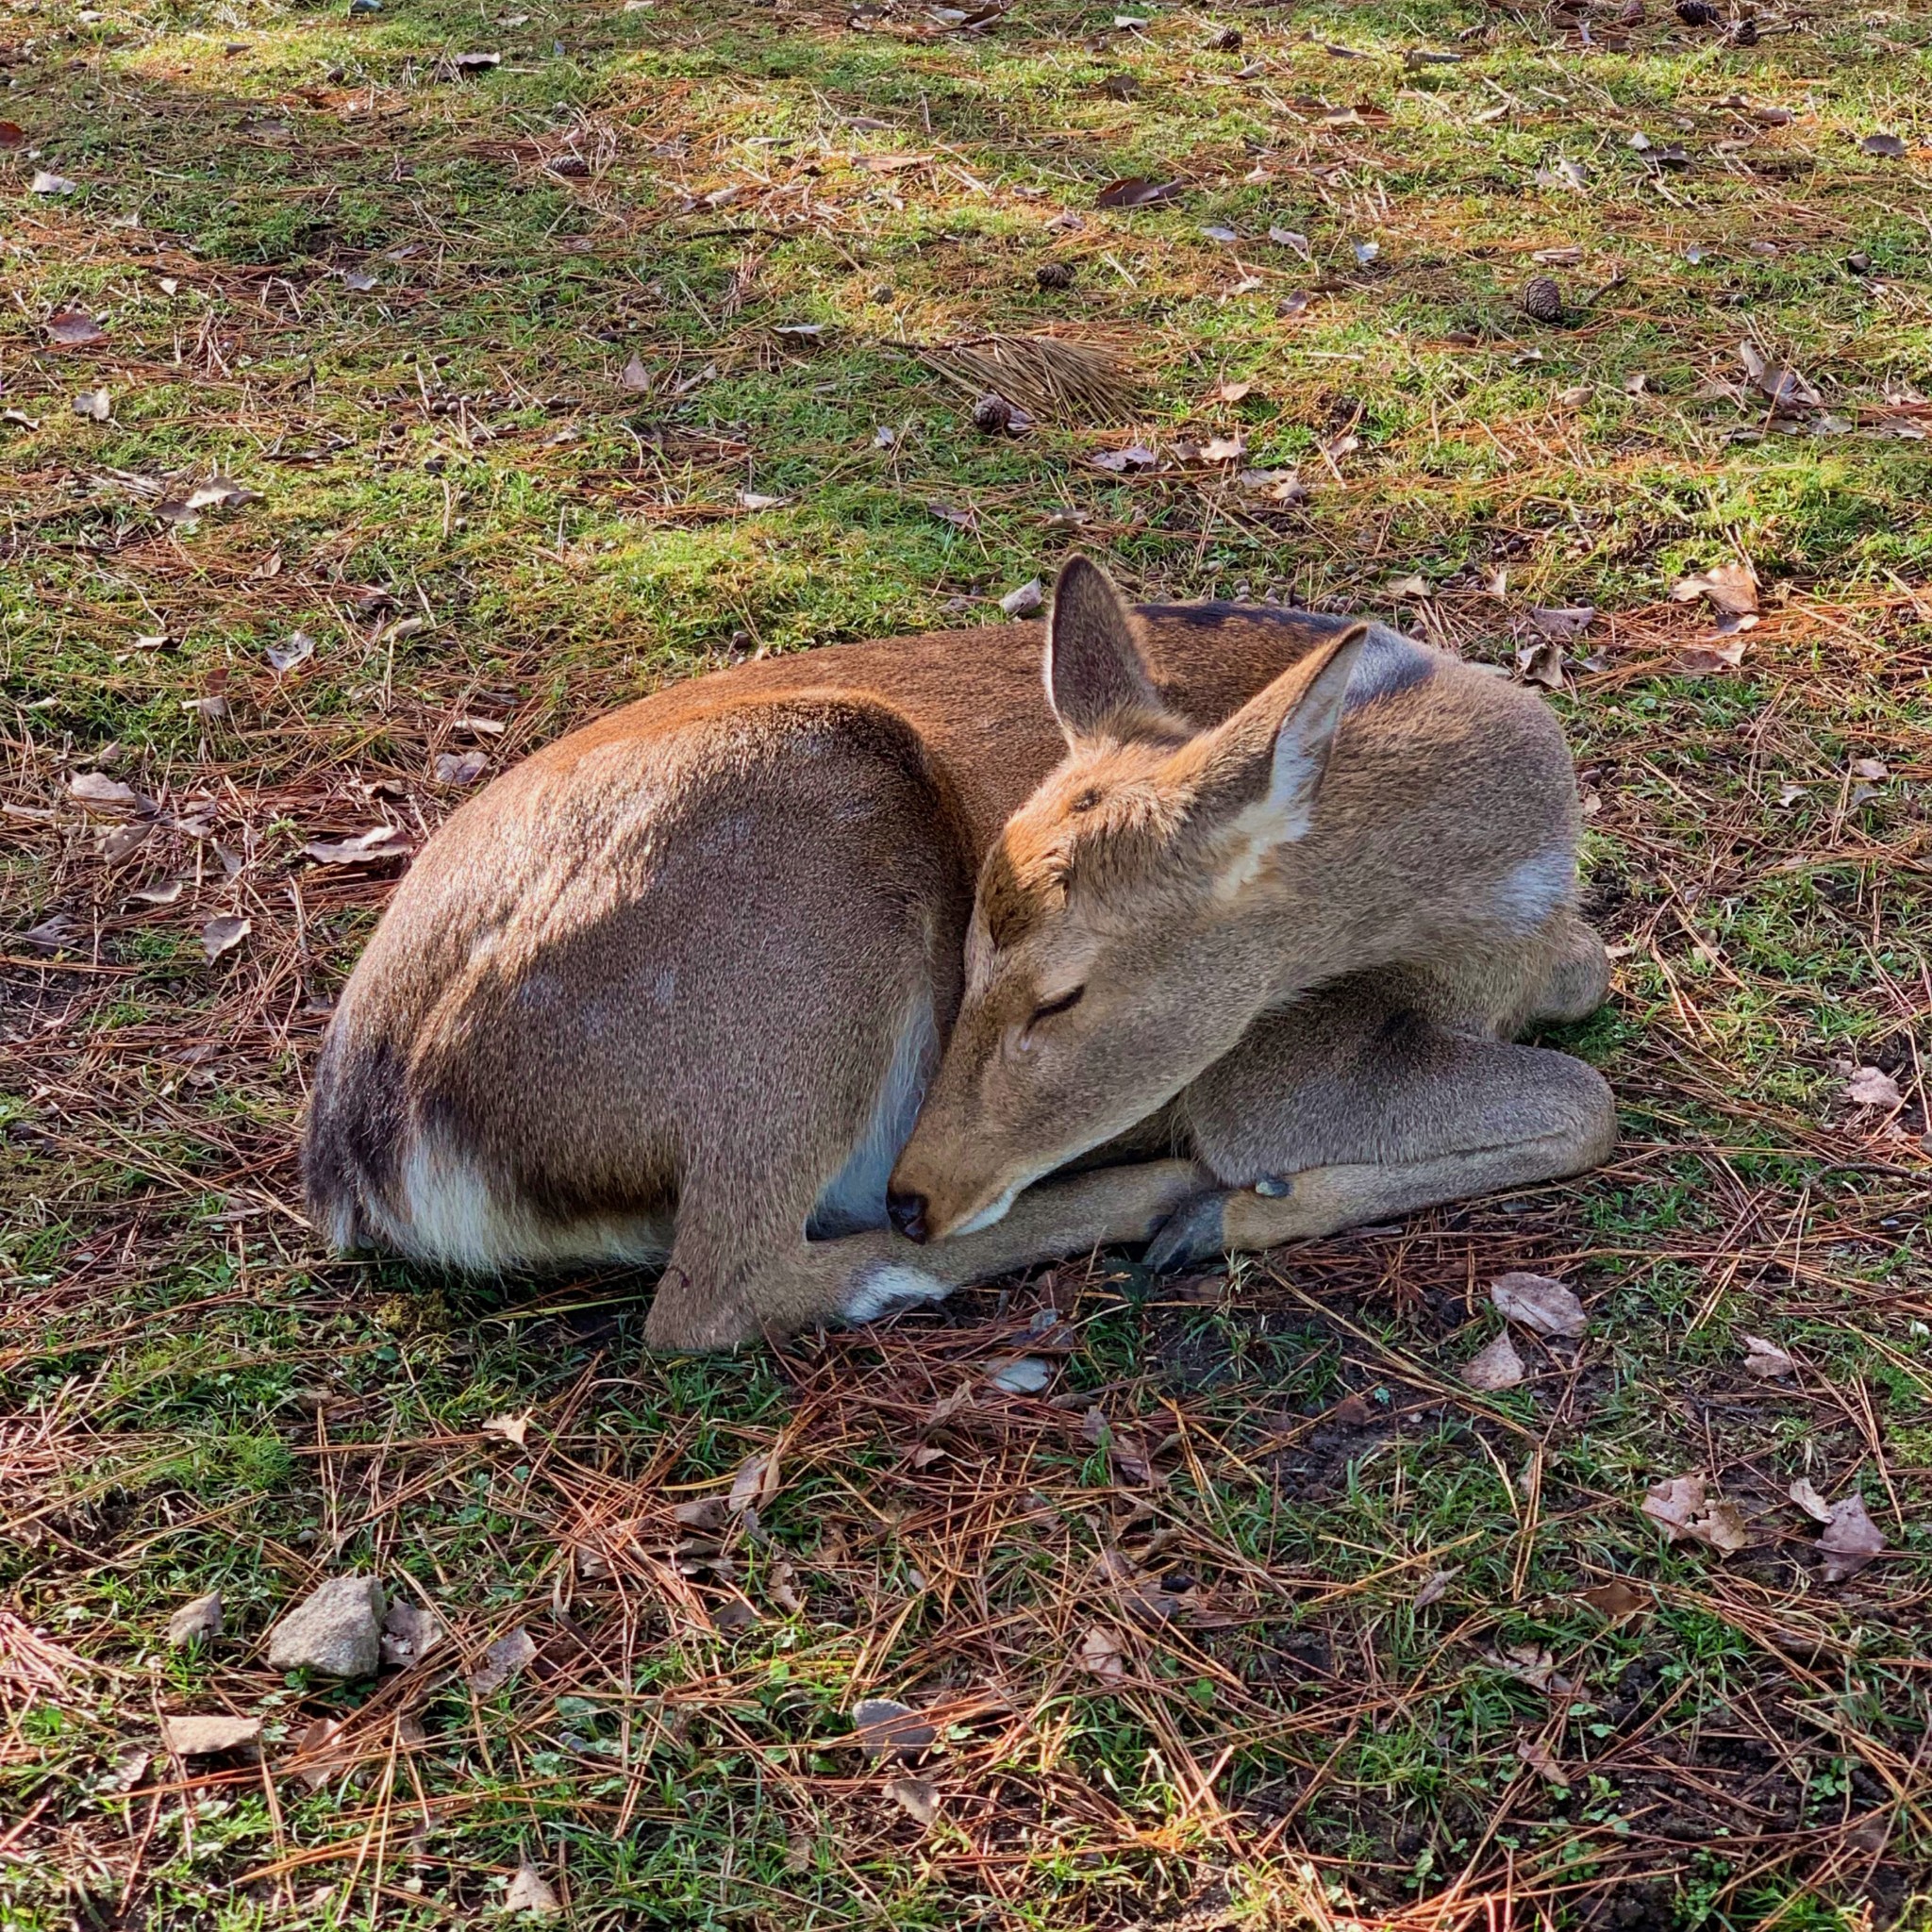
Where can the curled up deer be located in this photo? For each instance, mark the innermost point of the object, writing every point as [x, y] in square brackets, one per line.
[834, 981]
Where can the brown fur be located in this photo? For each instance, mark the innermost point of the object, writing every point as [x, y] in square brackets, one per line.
[651, 993]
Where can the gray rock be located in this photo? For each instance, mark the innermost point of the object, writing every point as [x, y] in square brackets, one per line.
[335, 1631]
[200, 1619]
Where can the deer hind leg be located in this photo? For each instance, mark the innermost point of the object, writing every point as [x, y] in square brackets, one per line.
[860, 1277]
[1348, 1110]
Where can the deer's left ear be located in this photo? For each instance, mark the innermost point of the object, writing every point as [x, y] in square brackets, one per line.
[1097, 681]
[1259, 773]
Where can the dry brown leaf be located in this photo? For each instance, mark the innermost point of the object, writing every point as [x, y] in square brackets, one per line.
[1851, 1538]
[1100, 1653]
[1804, 1492]
[1731, 588]
[1681, 1505]
[209, 1737]
[1498, 1366]
[1136, 191]
[508, 1429]
[373, 847]
[1874, 1087]
[221, 936]
[74, 328]
[530, 1892]
[1542, 1306]
[756, 1483]
[196, 1622]
[105, 793]
[501, 1661]
[918, 1799]
[1615, 1599]
[1226, 391]
[1765, 1360]
[1789, 391]
[1536, 1754]
[1435, 1589]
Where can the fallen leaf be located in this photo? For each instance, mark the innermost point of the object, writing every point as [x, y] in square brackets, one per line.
[1100, 1653]
[501, 1661]
[919, 1800]
[1680, 1504]
[530, 1892]
[359, 281]
[12, 134]
[1889, 145]
[1851, 1538]
[1225, 392]
[1536, 1754]
[119, 844]
[1217, 233]
[218, 492]
[1789, 390]
[209, 1737]
[371, 847]
[1874, 1087]
[213, 706]
[159, 895]
[702, 1512]
[508, 1429]
[1435, 1589]
[1136, 191]
[1765, 1360]
[755, 1485]
[1541, 662]
[409, 1633]
[1410, 587]
[221, 936]
[1732, 588]
[72, 329]
[1026, 1374]
[477, 63]
[1274, 485]
[1615, 1599]
[45, 183]
[459, 767]
[283, 659]
[94, 404]
[1023, 601]
[1135, 457]
[196, 1622]
[1224, 449]
[1542, 1306]
[109, 794]
[1352, 1412]
[1565, 623]
[1534, 1666]
[885, 1728]
[1804, 1494]
[1498, 1366]
[951, 513]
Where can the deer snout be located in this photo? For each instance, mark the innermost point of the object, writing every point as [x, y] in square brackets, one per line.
[907, 1212]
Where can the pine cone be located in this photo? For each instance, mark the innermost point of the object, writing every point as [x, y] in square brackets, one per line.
[1632, 14]
[1745, 33]
[1698, 13]
[1055, 275]
[1228, 41]
[993, 415]
[1543, 299]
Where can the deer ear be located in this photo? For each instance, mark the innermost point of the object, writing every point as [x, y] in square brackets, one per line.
[1259, 773]
[1096, 679]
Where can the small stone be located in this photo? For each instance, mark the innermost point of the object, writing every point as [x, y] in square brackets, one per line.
[1056, 275]
[199, 1620]
[993, 415]
[1543, 299]
[335, 1631]
[209, 1737]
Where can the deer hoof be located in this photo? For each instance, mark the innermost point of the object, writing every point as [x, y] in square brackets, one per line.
[1191, 1233]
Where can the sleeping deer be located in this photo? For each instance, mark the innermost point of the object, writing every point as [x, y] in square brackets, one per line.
[834, 981]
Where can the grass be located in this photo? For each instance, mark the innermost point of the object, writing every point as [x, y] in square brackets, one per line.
[1292, 1632]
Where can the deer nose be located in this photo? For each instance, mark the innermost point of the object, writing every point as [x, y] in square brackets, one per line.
[907, 1212]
